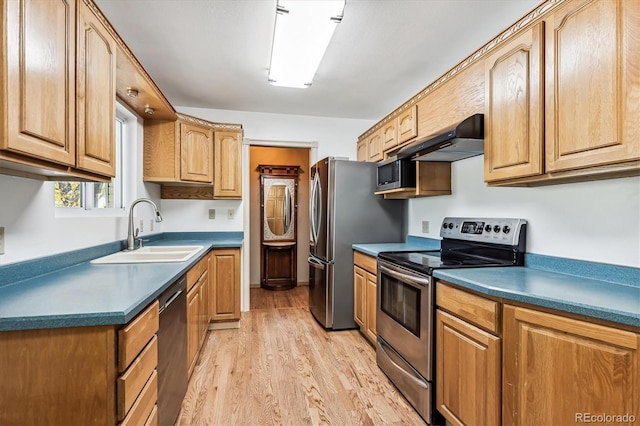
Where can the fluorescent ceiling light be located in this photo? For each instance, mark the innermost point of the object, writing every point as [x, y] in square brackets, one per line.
[302, 33]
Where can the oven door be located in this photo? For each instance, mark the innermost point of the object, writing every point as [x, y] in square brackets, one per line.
[405, 314]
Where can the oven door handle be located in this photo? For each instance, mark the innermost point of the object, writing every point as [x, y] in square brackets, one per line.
[412, 279]
[401, 368]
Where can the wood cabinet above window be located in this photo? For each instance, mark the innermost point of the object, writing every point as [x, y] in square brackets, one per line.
[57, 120]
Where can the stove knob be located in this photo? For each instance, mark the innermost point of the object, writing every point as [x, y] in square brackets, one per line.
[444, 225]
[451, 226]
[506, 229]
[487, 228]
[496, 228]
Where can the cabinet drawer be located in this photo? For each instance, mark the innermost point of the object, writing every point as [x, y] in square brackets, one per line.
[145, 403]
[153, 417]
[136, 335]
[130, 383]
[366, 262]
[196, 271]
[475, 309]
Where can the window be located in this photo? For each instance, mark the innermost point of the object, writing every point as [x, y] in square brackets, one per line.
[95, 195]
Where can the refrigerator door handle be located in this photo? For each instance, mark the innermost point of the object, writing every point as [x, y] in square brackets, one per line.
[315, 264]
[312, 210]
[318, 208]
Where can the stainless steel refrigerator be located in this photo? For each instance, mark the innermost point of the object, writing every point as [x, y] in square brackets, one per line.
[344, 211]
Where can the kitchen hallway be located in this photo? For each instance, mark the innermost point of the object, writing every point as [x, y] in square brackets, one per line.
[282, 368]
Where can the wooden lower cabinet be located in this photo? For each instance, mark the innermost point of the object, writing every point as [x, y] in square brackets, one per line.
[80, 375]
[225, 285]
[197, 309]
[560, 370]
[467, 373]
[468, 357]
[365, 294]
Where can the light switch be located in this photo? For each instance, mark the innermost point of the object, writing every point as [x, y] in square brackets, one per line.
[212, 214]
[425, 226]
[231, 214]
[1, 239]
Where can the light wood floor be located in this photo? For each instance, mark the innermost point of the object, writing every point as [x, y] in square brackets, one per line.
[282, 368]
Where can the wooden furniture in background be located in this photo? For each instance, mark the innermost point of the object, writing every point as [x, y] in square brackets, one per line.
[362, 151]
[81, 375]
[365, 294]
[407, 125]
[278, 226]
[468, 358]
[374, 147]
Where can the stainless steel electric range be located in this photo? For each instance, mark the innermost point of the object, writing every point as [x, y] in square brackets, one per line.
[406, 298]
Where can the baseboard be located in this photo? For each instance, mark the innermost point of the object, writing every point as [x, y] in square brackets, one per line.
[224, 325]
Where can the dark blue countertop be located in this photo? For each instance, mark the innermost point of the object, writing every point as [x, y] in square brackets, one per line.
[579, 295]
[412, 244]
[85, 294]
[597, 290]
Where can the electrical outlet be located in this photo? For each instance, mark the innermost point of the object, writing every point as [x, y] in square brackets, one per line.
[425, 226]
[141, 225]
[231, 214]
[1, 239]
[212, 214]
[151, 225]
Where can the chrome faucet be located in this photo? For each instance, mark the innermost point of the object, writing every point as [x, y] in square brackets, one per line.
[131, 237]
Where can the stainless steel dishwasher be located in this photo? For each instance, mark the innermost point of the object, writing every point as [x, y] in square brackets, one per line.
[172, 352]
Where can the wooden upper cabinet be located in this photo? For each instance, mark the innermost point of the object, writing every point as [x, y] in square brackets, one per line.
[374, 146]
[514, 113]
[407, 124]
[96, 94]
[40, 80]
[389, 135]
[361, 150]
[556, 368]
[196, 153]
[592, 84]
[228, 165]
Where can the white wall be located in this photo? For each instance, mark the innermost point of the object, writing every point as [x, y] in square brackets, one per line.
[34, 229]
[597, 221]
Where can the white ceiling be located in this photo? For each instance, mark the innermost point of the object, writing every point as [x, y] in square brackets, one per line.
[215, 53]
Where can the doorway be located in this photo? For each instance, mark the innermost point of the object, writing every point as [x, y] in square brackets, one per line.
[283, 156]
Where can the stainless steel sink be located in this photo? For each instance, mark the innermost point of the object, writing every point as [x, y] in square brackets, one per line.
[151, 254]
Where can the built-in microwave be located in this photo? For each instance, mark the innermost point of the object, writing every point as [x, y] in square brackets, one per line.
[394, 173]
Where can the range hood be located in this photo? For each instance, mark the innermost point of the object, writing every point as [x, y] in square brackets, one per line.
[464, 140]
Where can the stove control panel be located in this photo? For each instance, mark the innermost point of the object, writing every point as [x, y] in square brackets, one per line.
[491, 230]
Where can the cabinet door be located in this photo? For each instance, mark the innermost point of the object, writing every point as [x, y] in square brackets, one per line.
[196, 155]
[407, 124]
[362, 150]
[40, 65]
[371, 300]
[374, 147]
[389, 137]
[193, 321]
[359, 291]
[556, 369]
[203, 322]
[592, 84]
[514, 126]
[468, 372]
[228, 165]
[225, 297]
[96, 95]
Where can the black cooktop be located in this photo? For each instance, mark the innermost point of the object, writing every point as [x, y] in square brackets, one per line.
[427, 261]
